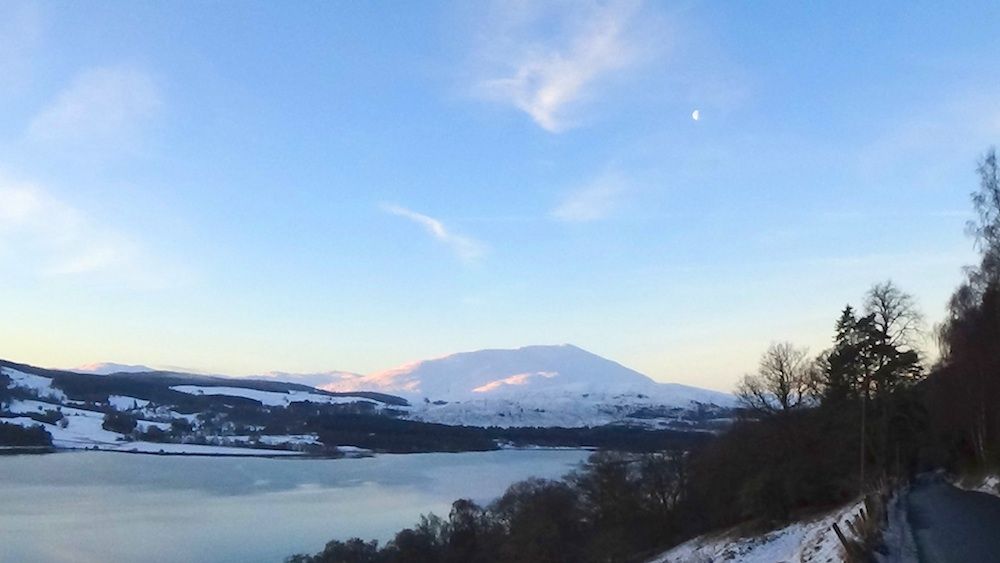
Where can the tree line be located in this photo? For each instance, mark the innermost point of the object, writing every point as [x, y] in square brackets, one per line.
[871, 410]
[614, 507]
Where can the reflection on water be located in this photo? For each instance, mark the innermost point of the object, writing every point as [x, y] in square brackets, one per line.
[92, 506]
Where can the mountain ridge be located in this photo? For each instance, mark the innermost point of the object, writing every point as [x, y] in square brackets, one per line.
[508, 374]
[523, 372]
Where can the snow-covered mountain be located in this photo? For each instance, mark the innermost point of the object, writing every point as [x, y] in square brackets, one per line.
[522, 373]
[538, 386]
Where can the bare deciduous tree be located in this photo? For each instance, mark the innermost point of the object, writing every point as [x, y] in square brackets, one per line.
[785, 380]
[986, 229]
[894, 314]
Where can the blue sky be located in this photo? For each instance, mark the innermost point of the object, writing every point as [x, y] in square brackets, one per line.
[245, 187]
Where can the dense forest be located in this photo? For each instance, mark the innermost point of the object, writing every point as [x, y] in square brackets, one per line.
[395, 435]
[868, 413]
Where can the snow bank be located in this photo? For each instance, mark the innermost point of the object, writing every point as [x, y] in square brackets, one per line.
[990, 484]
[898, 534]
[812, 541]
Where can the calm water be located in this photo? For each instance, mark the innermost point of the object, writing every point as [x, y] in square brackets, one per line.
[101, 507]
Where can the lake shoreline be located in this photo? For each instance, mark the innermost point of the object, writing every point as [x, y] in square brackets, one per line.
[289, 455]
[230, 510]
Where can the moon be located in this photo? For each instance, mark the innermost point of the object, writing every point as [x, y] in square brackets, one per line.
[696, 115]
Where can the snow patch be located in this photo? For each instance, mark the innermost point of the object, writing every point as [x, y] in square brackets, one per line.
[123, 403]
[514, 380]
[990, 485]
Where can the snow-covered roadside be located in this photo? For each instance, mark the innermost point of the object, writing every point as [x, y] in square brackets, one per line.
[813, 541]
[897, 538]
[990, 484]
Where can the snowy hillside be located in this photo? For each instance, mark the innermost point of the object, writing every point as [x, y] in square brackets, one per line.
[544, 386]
[811, 541]
[82, 426]
[172, 413]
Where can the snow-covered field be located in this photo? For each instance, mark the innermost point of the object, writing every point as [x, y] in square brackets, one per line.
[269, 398]
[41, 385]
[81, 428]
[813, 541]
[122, 403]
[84, 431]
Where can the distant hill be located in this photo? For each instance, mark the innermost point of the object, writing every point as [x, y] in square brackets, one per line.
[106, 368]
[543, 386]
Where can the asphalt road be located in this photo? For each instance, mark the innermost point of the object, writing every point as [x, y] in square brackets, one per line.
[951, 525]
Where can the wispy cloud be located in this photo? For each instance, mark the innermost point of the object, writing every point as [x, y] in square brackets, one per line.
[465, 248]
[101, 105]
[43, 235]
[926, 141]
[547, 74]
[592, 202]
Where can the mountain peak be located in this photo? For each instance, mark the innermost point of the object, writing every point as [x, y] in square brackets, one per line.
[563, 370]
